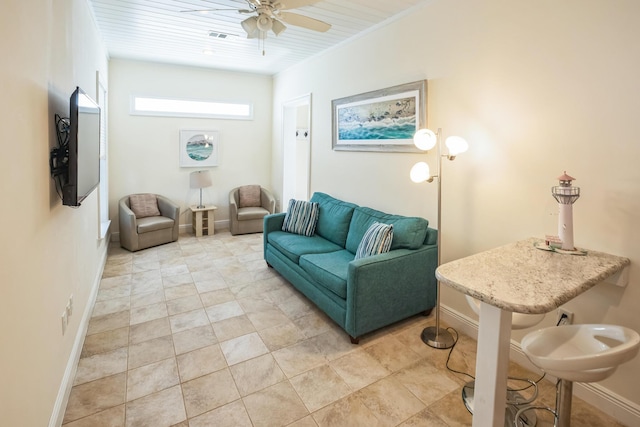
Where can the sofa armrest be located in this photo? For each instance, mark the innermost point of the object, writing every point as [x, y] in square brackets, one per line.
[271, 223]
[168, 208]
[127, 225]
[233, 203]
[267, 200]
[432, 237]
[385, 288]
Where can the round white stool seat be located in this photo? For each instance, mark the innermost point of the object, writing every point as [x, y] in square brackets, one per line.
[582, 353]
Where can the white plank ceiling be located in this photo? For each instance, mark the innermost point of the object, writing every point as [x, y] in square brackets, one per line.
[157, 30]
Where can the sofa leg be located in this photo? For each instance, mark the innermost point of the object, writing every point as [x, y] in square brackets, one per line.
[354, 340]
[269, 265]
[427, 312]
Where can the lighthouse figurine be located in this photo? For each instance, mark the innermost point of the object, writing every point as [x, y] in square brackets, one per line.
[566, 195]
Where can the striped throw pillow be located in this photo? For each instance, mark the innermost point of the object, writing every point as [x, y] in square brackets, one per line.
[301, 217]
[376, 240]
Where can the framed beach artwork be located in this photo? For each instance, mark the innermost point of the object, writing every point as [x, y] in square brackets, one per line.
[198, 148]
[381, 120]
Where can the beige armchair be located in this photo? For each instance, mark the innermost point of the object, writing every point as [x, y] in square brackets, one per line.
[248, 205]
[147, 220]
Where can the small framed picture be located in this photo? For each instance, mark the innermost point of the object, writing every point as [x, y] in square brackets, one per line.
[198, 148]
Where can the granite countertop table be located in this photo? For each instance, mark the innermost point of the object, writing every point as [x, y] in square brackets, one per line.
[521, 278]
[517, 278]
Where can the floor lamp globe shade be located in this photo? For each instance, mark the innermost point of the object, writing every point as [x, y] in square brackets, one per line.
[425, 139]
[456, 145]
[420, 172]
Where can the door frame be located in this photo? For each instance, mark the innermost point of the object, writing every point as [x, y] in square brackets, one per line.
[292, 169]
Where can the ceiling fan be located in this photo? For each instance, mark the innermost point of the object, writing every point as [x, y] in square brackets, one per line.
[270, 16]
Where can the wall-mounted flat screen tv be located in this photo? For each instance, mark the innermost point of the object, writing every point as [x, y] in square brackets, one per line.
[84, 149]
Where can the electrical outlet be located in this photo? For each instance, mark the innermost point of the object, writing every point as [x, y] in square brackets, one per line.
[564, 317]
[65, 321]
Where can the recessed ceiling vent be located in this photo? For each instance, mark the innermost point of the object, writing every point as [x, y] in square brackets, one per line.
[218, 35]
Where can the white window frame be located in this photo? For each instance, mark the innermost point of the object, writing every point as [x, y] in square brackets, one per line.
[183, 107]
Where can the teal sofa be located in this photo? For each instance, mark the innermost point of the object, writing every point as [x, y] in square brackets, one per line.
[359, 295]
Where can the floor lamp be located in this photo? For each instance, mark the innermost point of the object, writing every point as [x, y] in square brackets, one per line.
[425, 139]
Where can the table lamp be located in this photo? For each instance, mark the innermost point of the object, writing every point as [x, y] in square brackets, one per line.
[200, 180]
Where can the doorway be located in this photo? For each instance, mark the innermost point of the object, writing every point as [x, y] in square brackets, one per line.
[296, 148]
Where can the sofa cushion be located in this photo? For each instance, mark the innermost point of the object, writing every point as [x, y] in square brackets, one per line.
[376, 240]
[249, 196]
[294, 245]
[329, 270]
[245, 214]
[408, 232]
[144, 205]
[334, 218]
[153, 223]
[301, 217]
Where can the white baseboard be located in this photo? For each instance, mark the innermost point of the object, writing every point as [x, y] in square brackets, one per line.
[614, 405]
[57, 416]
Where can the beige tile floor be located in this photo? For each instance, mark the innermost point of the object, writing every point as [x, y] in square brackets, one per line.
[202, 333]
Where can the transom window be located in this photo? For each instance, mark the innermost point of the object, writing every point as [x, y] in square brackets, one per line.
[151, 106]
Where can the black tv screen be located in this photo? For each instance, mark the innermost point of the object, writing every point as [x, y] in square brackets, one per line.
[84, 149]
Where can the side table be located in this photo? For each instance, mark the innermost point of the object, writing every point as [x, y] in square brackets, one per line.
[203, 224]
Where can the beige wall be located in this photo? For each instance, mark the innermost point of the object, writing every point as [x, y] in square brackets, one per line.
[48, 251]
[143, 150]
[536, 88]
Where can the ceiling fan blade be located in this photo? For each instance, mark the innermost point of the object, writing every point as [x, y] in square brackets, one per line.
[294, 4]
[304, 21]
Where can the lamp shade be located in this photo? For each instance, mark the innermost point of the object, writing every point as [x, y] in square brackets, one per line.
[278, 27]
[420, 172]
[200, 179]
[250, 26]
[456, 145]
[425, 139]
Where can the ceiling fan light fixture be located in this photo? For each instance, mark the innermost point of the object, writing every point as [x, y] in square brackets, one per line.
[250, 26]
[278, 27]
[264, 22]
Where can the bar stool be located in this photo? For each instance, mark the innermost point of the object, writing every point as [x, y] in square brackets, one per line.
[582, 353]
[514, 399]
